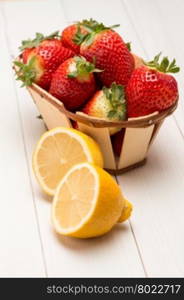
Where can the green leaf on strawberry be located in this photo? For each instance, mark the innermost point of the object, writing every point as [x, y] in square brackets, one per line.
[116, 96]
[93, 27]
[79, 36]
[128, 46]
[108, 103]
[26, 72]
[37, 40]
[164, 66]
[83, 68]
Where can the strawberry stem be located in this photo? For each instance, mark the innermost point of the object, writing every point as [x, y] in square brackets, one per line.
[93, 28]
[164, 66]
[37, 40]
[83, 68]
[116, 96]
[26, 72]
[128, 46]
[79, 36]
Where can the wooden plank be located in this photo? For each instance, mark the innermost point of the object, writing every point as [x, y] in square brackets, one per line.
[157, 189]
[33, 17]
[21, 251]
[33, 127]
[114, 254]
[154, 228]
[172, 34]
[157, 192]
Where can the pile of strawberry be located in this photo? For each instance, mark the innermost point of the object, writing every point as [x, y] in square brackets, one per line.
[90, 68]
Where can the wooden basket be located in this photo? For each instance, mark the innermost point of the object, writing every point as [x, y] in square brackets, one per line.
[139, 132]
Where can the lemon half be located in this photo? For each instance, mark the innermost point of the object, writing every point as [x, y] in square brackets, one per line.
[58, 150]
[88, 202]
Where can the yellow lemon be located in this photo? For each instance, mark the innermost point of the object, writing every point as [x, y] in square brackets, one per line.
[87, 203]
[57, 151]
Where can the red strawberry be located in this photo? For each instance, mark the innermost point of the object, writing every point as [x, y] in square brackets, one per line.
[109, 104]
[117, 141]
[73, 82]
[110, 53]
[41, 61]
[28, 45]
[74, 35]
[25, 54]
[70, 36]
[150, 89]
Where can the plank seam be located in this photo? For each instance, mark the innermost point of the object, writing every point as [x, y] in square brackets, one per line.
[135, 241]
[180, 128]
[63, 10]
[138, 249]
[124, 5]
[6, 36]
[145, 52]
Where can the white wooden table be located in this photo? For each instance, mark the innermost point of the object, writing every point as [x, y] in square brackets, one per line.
[152, 243]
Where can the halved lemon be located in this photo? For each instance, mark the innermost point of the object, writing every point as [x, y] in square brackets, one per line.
[88, 202]
[57, 151]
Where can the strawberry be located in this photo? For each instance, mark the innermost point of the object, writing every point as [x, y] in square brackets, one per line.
[117, 141]
[25, 54]
[151, 89]
[109, 104]
[28, 45]
[73, 35]
[41, 57]
[110, 52]
[73, 82]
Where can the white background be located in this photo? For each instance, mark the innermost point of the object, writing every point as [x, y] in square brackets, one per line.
[152, 243]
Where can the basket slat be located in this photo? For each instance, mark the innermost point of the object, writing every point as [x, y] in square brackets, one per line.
[155, 132]
[51, 115]
[102, 137]
[136, 143]
[135, 146]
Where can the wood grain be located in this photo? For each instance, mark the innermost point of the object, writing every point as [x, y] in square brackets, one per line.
[152, 243]
[65, 257]
[21, 252]
[158, 188]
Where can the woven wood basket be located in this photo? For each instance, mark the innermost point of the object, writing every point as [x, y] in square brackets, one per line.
[139, 132]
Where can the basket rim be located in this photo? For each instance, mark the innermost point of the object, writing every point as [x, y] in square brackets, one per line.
[78, 116]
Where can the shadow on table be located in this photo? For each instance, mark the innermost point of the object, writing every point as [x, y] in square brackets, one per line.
[84, 244]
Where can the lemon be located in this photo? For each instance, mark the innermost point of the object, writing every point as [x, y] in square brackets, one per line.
[87, 203]
[57, 151]
[126, 213]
